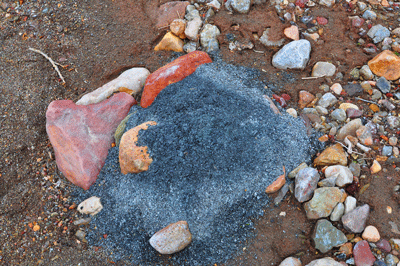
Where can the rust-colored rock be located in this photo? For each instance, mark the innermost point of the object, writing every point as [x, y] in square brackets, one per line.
[305, 98]
[170, 42]
[331, 156]
[133, 158]
[278, 183]
[386, 64]
[82, 134]
[171, 73]
[170, 11]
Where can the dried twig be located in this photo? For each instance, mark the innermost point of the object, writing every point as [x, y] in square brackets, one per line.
[51, 61]
[361, 99]
[313, 77]
[347, 148]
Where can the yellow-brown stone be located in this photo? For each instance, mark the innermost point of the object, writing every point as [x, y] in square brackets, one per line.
[170, 42]
[178, 27]
[386, 64]
[133, 158]
[331, 156]
[305, 98]
[277, 184]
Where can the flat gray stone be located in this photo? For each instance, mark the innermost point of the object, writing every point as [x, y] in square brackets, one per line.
[326, 236]
[378, 32]
[327, 100]
[294, 55]
[305, 183]
[323, 69]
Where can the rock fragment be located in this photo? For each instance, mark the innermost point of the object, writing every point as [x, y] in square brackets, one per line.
[171, 239]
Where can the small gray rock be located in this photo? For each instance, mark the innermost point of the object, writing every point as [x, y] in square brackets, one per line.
[305, 183]
[353, 89]
[337, 212]
[393, 121]
[327, 100]
[342, 174]
[208, 38]
[294, 55]
[321, 69]
[356, 220]
[241, 6]
[190, 47]
[355, 168]
[327, 3]
[383, 85]
[369, 14]
[349, 204]
[378, 32]
[192, 29]
[387, 150]
[391, 260]
[339, 115]
[366, 72]
[326, 236]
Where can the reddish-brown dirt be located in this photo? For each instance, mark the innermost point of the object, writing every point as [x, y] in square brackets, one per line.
[95, 41]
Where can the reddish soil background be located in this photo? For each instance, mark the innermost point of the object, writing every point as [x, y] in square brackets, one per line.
[97, 40]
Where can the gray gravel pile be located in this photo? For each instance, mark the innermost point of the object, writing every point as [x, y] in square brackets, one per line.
[216, 148]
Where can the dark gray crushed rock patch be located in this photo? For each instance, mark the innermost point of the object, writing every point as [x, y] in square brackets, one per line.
[216, 148]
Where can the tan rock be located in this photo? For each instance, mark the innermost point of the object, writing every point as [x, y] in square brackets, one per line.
[349, 129]
[346, 248]
[386, 64]
[376, 167]
[371, 234]
[132, 158]
[305, 98]
[331, 156]
[277, 184]
[172, 238]
[170, 42]
[346, 106]
[90, 206]
[290, 261]
[337, 88]
[178, 27]
[292, 32]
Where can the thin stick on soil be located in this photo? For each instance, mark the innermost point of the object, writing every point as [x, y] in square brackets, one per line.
[51, 61]
[313, 77]
[361, 99]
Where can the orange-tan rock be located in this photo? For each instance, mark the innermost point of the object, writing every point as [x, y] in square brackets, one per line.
[386, 64]
[133, 158]
[170, 42]
[331, 156]
[178, 27]
[277, 184]
[292, 32]
[173, 72]
[371, 234]
[376, 167]
[172, 238]
[305, 98]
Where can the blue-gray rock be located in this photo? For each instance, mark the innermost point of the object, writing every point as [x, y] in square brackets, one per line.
[383, 85]
[379, 263]
[387, 150]
[356, 220]
[397, 95]
[305, 183]
[369, 14]
[355, 168]
[327, 100]
[353, 89]
[294, 55]
[208, 38]
[378, 32]
[241, 6]
[391, 260]
[366, 72]
[339, 115]
[326, 236]
[393, 121]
